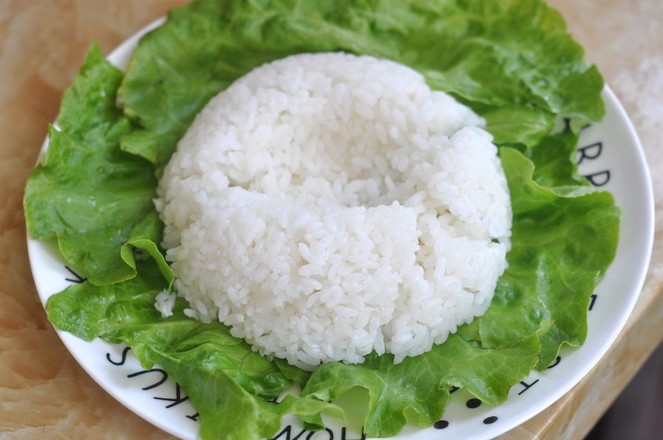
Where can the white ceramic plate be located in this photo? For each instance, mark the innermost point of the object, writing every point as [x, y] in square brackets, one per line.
[610, 157]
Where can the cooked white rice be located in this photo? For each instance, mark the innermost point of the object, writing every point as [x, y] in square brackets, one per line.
[328, 205]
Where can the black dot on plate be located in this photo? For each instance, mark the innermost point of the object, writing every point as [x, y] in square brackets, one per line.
[489, 420]
[441, 424]
[473, 403]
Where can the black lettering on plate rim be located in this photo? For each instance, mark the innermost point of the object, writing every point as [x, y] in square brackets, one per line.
[122, 360]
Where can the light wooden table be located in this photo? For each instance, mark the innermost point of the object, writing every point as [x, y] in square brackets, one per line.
[43, 391]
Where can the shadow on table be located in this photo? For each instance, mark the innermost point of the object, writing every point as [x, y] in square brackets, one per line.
[637, 414]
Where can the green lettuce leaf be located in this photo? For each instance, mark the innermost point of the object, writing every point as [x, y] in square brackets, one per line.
[511, 61]
[421, 384]
[85, 191]
[562, 244]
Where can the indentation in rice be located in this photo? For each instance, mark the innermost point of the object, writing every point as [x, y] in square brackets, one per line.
[328, 205]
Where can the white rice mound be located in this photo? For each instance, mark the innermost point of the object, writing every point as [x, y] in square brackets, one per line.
[326, 206]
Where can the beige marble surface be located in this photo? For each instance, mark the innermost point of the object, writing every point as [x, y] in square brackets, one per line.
[43, 391]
